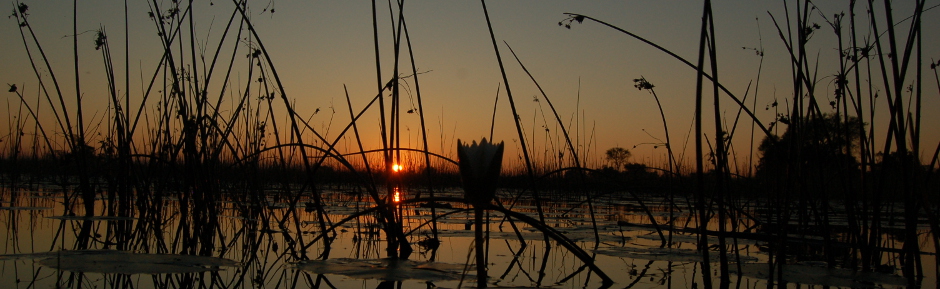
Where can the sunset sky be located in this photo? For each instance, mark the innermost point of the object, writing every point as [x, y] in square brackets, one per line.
[320, 46]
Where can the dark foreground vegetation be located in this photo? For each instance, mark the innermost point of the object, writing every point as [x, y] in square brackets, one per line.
[822, 190]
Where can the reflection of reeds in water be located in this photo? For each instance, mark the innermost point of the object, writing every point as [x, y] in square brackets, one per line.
[179, 173]
[806, 191]
[263, 250]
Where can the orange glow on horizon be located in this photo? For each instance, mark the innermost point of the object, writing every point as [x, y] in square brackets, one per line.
[397, 168]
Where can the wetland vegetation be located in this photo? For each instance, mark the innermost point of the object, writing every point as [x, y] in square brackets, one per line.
[215, 181]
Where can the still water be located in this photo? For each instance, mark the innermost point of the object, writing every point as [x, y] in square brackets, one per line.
[239, 242]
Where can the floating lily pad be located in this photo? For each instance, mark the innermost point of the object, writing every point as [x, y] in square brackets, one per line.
[588, 236]
[666, 254]
[384, 269]
[679, 238]
[511, 235]
[26, 256]
[507, 235]
[120, 262]
[456, 233]
[238, 218]
[815, 275]
[24, 208]
[91, 218]
[455, 219]
[693, 238]
[343, 210]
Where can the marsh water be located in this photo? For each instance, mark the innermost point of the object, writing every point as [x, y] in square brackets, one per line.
[264, 243]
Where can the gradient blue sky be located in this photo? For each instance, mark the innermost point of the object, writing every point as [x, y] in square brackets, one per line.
[320, 46]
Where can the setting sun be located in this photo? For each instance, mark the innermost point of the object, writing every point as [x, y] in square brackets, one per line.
[272, 139]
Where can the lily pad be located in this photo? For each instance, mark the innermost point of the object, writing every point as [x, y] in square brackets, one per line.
[588, 236]
[121, 262]
[455, 220]
[678, 238]
[506, 235]
[665, 254]
[91, 218]
[24, 256]
[24, 208]
[384, 269]
[815, 275]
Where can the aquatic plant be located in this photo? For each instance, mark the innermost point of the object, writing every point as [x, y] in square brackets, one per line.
[179, 173]
[480, 166]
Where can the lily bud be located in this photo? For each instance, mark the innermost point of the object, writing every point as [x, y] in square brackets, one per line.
[479, 168]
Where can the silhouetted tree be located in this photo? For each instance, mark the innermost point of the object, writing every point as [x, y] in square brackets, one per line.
[618, 156]
[823, 145]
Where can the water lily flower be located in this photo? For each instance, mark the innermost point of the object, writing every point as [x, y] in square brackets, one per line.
[479, 168]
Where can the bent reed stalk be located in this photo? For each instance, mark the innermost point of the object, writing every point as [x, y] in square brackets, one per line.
[797, 191]
[185, 152]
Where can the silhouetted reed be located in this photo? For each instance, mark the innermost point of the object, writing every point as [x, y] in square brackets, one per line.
[178, 173]
[801, 192]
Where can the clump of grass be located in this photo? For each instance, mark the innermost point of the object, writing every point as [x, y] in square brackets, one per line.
[180, 143]
[800, 192]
